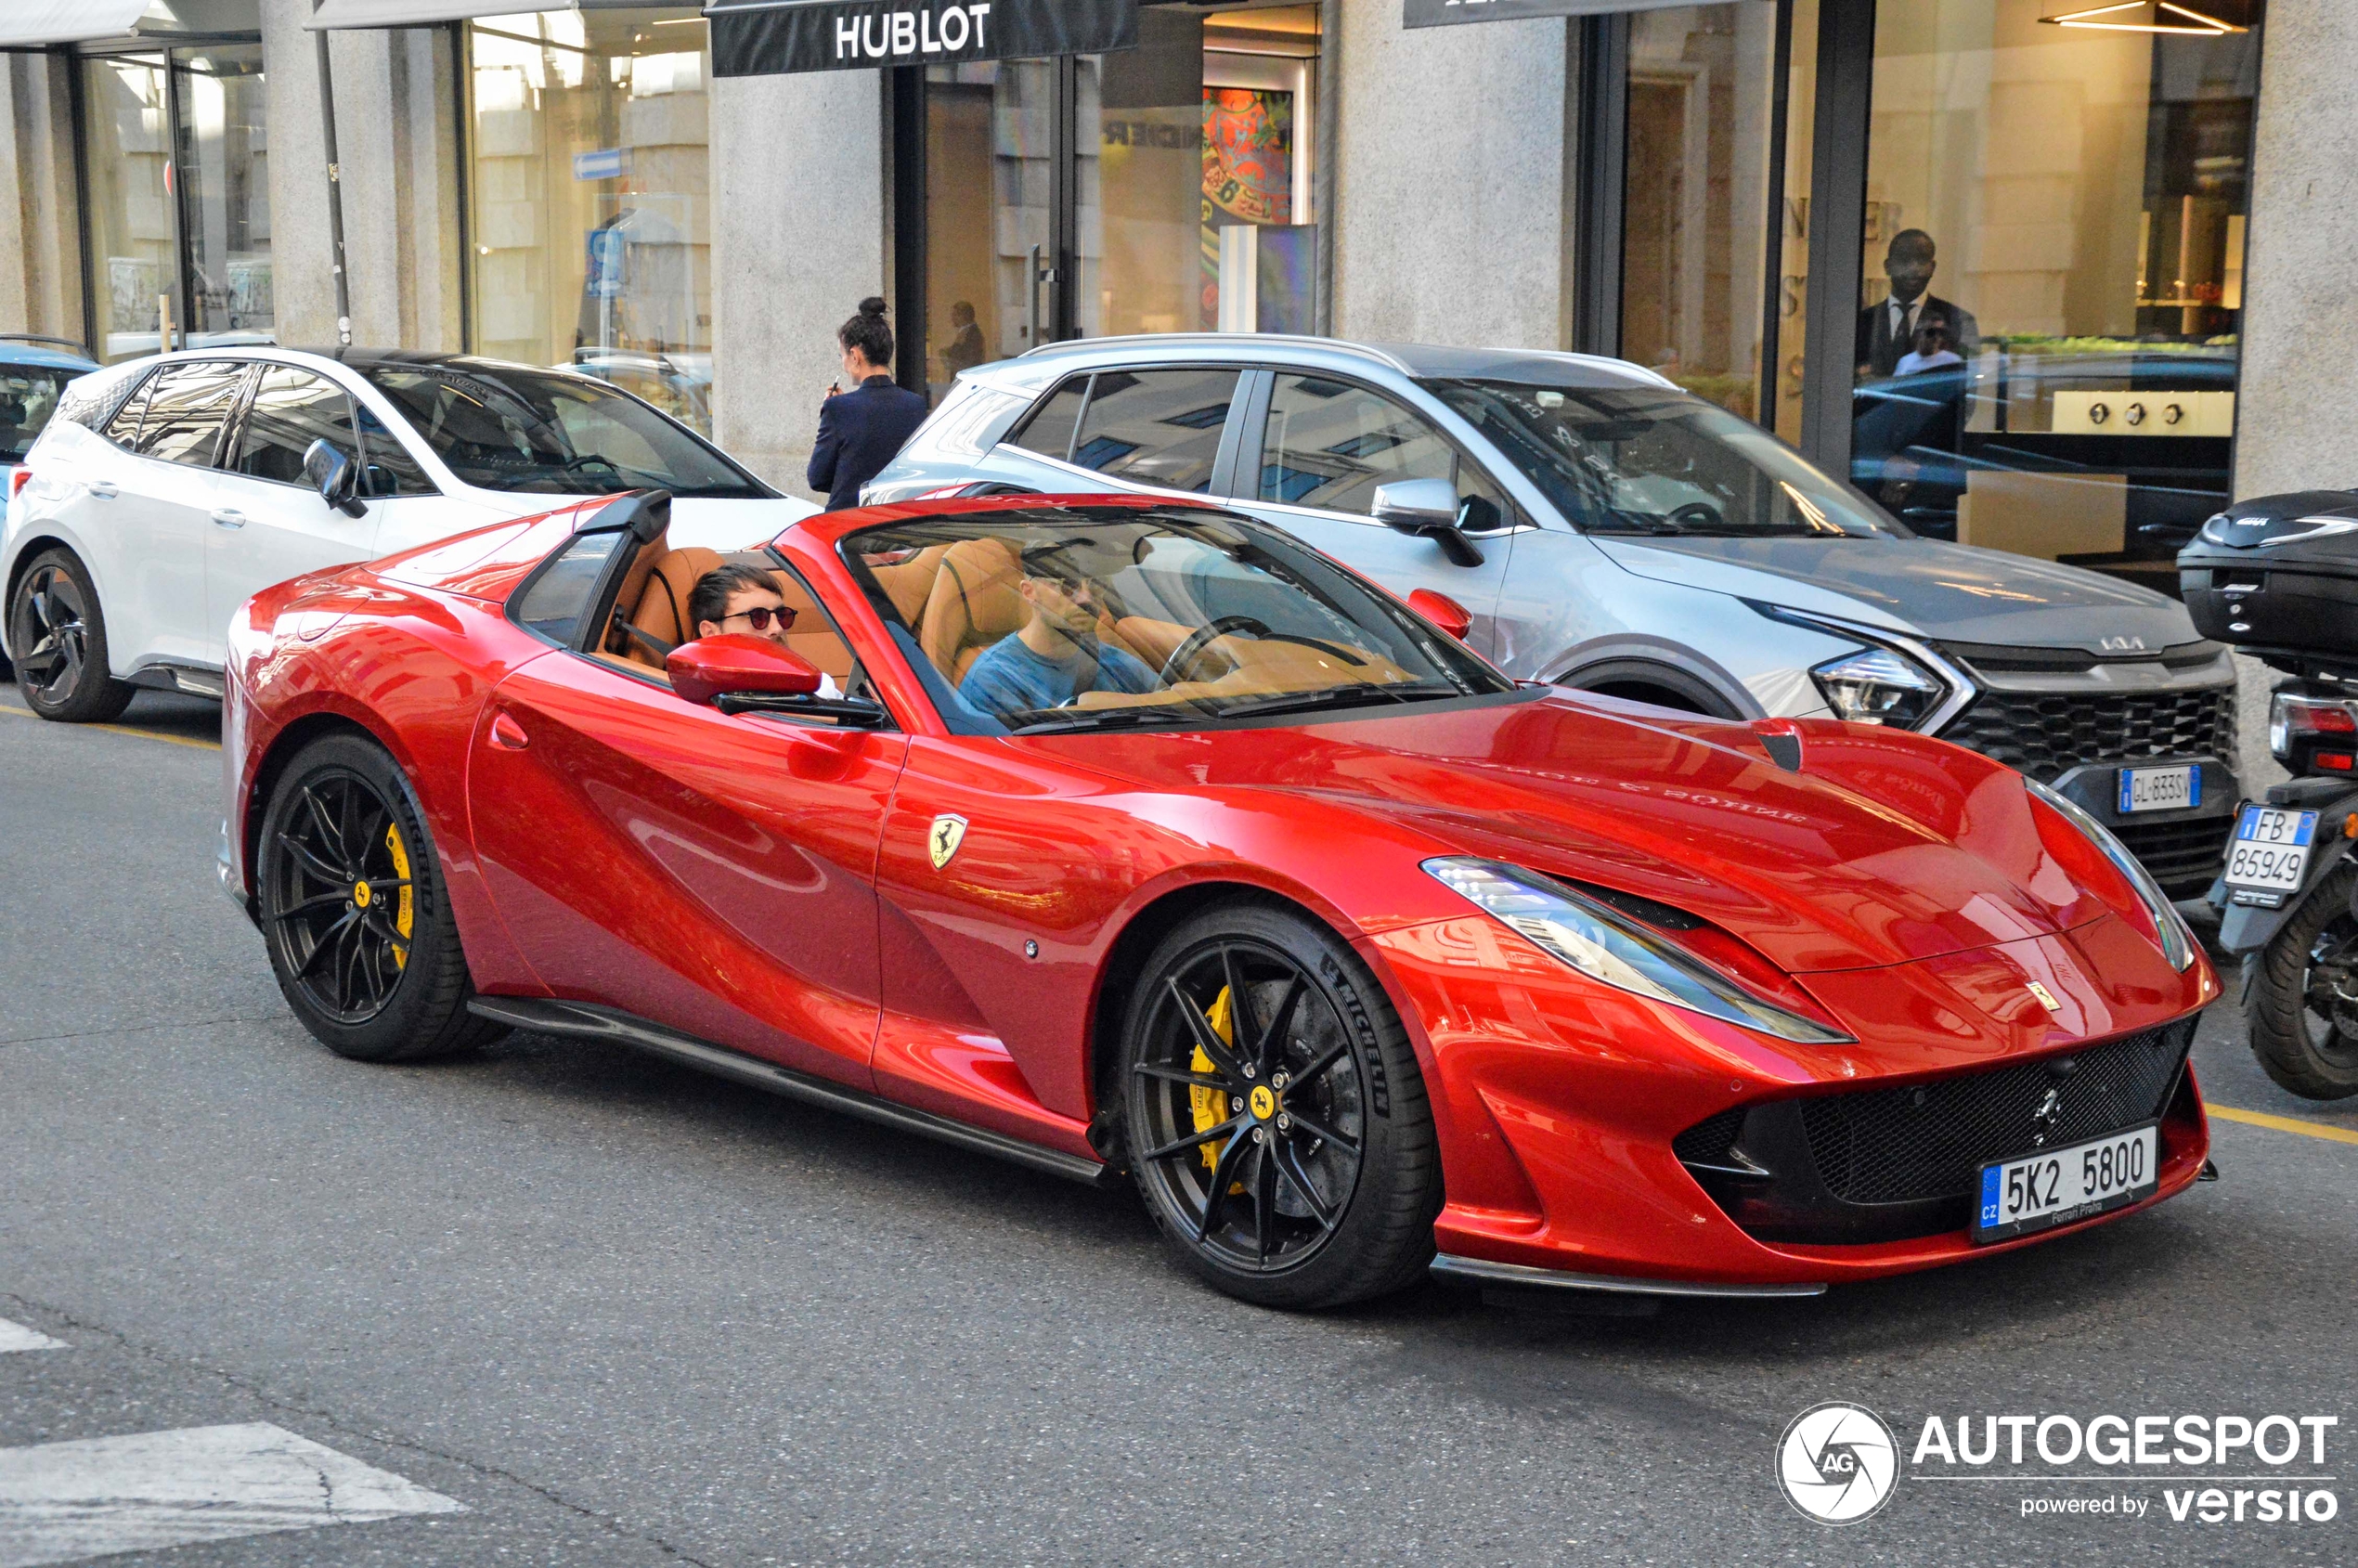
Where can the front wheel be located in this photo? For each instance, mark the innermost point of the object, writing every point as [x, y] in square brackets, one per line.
[1273, 1115]
[2304, 995]
[353, 908]
[60, 642]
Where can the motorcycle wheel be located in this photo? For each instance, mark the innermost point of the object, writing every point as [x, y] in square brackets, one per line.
[2303, 1011]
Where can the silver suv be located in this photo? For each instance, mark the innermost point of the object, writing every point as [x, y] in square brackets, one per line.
[1607, 531]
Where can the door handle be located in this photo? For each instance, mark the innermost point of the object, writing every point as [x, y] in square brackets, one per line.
[230, 517]
[103, 489]
[507, 734]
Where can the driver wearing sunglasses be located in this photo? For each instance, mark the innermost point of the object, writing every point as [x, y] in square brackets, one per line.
[739, 598]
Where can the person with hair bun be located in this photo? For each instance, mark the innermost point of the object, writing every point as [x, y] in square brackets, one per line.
[862, 428]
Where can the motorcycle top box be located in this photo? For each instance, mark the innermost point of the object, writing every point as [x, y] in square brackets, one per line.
[2278, 575]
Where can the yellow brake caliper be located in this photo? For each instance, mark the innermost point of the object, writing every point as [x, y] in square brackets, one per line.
[1210, 1106]
[408, 894]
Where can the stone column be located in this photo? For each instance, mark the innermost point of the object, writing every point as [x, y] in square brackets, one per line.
[1450, 210]
[41, 247]
[799, 238]
[397, 126]
[2295, 397]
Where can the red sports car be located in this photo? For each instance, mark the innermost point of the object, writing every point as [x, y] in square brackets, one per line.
[1130, 838]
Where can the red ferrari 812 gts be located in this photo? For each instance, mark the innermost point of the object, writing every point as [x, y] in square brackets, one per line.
[1132, 840]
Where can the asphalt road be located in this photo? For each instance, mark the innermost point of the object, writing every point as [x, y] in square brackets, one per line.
[622, 1314]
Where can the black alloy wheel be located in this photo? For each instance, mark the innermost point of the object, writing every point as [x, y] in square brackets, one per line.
[60, 643]
[2303, 1007]
[350, 897]
[1275, 1118]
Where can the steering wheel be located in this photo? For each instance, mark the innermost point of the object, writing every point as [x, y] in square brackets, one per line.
[1701, 513]
[1175, 668]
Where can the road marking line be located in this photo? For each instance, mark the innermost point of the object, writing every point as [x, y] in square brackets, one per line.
[62, 1502]
[126, 729]
[16, 1336]
[2283, 1123]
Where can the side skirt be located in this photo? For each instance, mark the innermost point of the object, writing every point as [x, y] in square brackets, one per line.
[584, 1021]
[1482, 1271]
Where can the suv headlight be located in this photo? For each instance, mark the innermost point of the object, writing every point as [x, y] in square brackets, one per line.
[1879, 686]
[1605, 946]
[2177, 942]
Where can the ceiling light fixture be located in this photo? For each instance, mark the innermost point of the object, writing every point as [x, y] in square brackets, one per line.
[2159, 16]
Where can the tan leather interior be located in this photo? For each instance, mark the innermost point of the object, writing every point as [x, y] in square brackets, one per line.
[973, 604]
[654, 597]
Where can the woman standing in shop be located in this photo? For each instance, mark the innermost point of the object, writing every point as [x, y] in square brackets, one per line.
[861, 429]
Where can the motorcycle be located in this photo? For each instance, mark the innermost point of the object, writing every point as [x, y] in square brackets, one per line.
[2278, 576]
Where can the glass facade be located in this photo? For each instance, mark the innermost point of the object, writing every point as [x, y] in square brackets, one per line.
[177, 189]
[1165, 188]
[1701, 94]
[2052, 278]
[591, 198]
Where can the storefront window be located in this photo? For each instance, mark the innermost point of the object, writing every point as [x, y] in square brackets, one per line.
[1696, 202]
[592, 214]
[2052, 278]
[990, 189]
[1183, 174]
[177, 185]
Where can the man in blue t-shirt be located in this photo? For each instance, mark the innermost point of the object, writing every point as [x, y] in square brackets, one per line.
[1055, 655]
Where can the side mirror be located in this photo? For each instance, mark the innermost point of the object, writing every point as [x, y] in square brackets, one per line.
[334, 476]
[736, 664]
[1429, 508]
[1442, 611]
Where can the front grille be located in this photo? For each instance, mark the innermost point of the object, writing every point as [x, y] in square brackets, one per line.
[1888, 1164]
[2044, 733]
[2185, 857]
[1894, 1145]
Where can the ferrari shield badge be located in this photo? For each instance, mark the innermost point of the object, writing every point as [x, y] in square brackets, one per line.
[944, 841]
[2046, 998]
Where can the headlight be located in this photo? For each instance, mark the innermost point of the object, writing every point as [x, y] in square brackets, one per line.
[1878, 686]
[1604, 945]
[2177, 942]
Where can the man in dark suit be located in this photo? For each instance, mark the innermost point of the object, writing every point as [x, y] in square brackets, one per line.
[1889, 331]
[861, 429]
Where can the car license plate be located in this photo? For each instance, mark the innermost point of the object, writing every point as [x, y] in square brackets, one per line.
[2160, 789]
[2054, 1187]
[2271, 848]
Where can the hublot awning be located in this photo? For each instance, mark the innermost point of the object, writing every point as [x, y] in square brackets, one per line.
[770, 37]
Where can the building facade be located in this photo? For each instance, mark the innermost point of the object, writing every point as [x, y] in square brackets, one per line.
[2055, 287]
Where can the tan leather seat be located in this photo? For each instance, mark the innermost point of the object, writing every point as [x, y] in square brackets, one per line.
[909, 584]
[662, 608]
[973, 604]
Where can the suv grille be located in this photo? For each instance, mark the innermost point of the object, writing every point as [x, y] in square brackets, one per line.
[1892, 1145]
[2185, 857]
[2043, 734]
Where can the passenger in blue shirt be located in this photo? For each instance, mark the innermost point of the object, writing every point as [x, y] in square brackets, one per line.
[1055, 655]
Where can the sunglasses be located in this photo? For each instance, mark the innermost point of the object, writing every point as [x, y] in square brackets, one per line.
[761, 616]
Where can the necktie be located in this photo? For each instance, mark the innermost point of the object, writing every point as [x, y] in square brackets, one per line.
[1903, 331]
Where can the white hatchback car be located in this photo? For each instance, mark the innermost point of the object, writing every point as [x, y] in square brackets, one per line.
[166, 491]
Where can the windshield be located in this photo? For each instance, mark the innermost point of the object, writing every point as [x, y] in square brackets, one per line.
[28, 397]
[1044, 619]
[1649, 461]
[502, 427]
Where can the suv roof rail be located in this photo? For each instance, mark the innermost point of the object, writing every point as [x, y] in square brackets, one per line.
[1219, 340]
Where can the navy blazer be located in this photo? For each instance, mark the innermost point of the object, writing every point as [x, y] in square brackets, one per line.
[859, 432]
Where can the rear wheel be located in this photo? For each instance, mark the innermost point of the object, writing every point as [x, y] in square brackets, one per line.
[1275, 1118]
[353, 908]
[60, 642]
[2304, 995]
